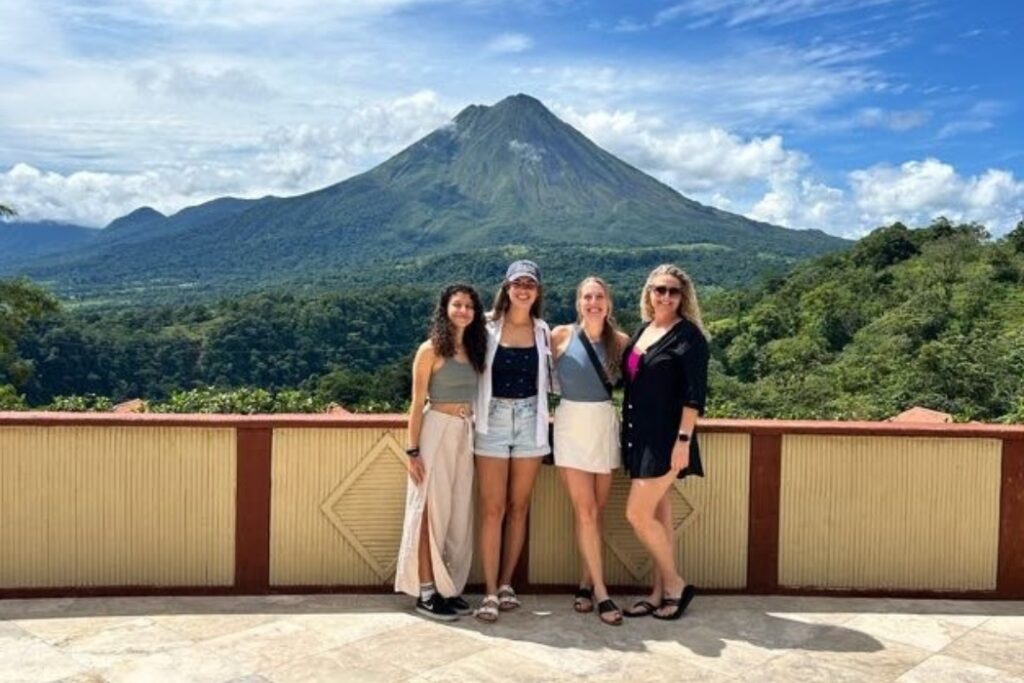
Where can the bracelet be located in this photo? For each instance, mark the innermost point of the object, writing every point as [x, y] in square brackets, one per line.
[413, 451]
[683, 437]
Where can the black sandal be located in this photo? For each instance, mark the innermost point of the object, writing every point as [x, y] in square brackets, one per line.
[583, 594]
[606, 606]
[680, 604]
[646, 609]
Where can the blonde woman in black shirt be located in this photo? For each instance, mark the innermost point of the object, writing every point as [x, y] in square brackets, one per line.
[665, 372]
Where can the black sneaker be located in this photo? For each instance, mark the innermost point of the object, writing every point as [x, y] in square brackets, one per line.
[436, 608]
[460, 606]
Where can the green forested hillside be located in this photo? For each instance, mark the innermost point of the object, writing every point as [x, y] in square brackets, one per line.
[931, 317]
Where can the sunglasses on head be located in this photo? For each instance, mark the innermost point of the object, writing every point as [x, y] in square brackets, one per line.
[662, 290]
[523, 284]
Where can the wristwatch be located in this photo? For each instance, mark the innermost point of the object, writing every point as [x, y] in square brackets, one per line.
[413, 451]
[683, 437]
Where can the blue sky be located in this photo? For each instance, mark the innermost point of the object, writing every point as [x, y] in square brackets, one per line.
[835, 114]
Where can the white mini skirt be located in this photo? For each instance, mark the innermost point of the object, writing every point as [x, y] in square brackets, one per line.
[587, 436]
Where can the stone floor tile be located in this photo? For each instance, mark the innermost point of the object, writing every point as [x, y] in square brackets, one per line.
[704, 647]
[944, 669]
[199, 627]
[1011, 626]
[30, 659]
[930, 632]
[493, 665]
[415, 649]
[344, 627]
[648, 666]
[331, 666]
[59, 632]
[807, 668]
[269, 645]
[886, 661]
[990, 649]
[85, 677]
[182, 665]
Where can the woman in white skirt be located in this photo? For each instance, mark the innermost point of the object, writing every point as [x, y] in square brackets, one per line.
[437, 536]
[587, 430]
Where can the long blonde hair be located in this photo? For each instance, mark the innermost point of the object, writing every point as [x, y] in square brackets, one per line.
[689, 308]
[609, 332]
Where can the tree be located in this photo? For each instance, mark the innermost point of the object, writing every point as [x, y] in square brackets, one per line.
[1015, 238]
[20, 303]
[7, 212]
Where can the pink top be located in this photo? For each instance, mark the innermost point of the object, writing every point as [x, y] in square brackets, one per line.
[633, 364]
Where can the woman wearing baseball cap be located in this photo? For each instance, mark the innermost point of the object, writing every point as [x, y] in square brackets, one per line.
[511, 435]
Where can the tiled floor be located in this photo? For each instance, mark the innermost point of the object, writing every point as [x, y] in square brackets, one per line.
[379, 638]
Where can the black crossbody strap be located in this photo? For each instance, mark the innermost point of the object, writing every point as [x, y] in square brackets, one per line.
[598, 365]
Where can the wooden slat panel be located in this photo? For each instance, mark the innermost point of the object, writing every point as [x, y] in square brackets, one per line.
[116, 506]
[889, 512]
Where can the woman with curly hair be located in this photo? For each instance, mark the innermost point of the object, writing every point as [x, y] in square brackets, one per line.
[437, 537]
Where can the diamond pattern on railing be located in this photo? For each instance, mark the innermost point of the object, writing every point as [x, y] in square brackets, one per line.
[368, 506]
[619, 535]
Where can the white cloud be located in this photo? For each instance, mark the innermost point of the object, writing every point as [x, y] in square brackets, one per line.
[236, 15]
[510, 43]
[802, 203]
[697, 160]
[895, 120]
[184, 82]
[290, 160]
[526, 151]
[917, 191]
[701, 13]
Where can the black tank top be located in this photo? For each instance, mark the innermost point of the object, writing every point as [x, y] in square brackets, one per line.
[514, 373]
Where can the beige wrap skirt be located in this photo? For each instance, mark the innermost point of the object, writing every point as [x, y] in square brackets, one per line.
[446, 446]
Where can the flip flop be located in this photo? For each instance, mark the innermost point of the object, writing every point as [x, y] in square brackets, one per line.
[680, 604]
[606, 607]
[646, 609]
[583, 601]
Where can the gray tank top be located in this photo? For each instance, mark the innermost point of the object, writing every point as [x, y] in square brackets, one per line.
[579, 379]
[453, 382]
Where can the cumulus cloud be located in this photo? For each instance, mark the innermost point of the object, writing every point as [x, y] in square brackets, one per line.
[917, 191]
[288, 160]
[763, 179]
[693, 160]
[510, 43]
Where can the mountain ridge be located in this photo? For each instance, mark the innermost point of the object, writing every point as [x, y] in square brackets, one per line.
[508, 173]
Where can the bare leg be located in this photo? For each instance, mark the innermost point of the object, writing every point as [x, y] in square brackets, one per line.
[645, 496]
[492, 483]
[588, 526]
[522, 475]
[426, 568]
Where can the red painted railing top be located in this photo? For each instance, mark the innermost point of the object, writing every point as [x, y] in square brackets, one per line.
[397, 421]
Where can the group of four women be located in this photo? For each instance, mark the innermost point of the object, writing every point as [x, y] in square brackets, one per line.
[480, 401]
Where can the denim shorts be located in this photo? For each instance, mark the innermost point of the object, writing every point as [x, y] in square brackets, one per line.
[511, 430]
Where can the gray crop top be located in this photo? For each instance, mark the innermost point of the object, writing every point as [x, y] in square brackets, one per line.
[579, 379]
[453, 382]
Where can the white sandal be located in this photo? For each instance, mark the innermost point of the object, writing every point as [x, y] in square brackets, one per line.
[507, 599]
[488, 609]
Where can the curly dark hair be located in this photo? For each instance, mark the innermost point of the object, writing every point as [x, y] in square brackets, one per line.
[474, 338]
